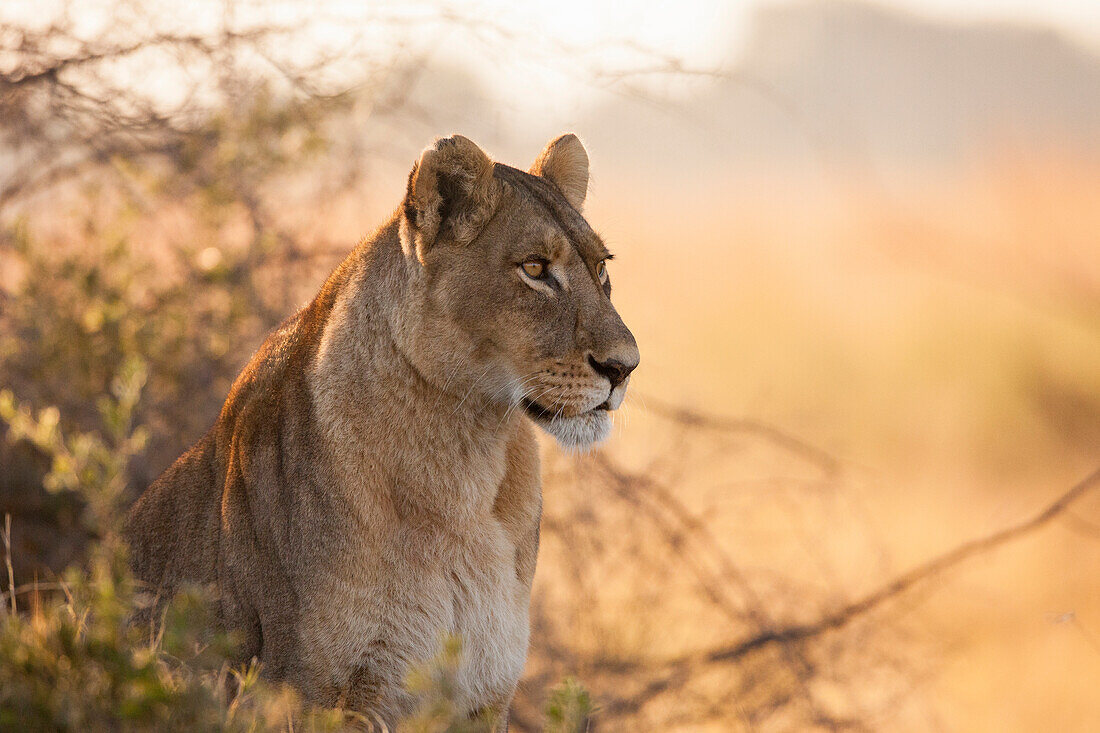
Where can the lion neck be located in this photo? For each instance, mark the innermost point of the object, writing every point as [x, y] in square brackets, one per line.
[439, 453]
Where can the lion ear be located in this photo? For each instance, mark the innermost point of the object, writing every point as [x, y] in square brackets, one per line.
[451, 189]
[564, 163]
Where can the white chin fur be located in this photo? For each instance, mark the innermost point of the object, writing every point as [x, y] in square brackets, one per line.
[581, 432]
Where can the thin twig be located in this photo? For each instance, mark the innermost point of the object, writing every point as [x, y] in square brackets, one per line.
[828, 463]
[7, 561]
[32, 588]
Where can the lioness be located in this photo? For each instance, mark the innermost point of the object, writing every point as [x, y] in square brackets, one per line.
[372, 482]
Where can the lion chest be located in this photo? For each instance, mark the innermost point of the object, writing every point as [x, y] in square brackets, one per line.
[490, 617]
[425, 587]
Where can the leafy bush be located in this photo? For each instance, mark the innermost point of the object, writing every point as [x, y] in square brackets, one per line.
[569, 708]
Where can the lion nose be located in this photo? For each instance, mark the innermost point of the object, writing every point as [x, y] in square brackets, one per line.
[615, 370]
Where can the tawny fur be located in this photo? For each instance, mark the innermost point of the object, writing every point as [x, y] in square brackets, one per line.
[372, 482]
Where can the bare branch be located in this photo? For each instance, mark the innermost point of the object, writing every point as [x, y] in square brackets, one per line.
[905, 582]
[53, 66]
[679, 672]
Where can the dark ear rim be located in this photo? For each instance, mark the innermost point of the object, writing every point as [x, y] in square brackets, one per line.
[450, 190]
[407, 204]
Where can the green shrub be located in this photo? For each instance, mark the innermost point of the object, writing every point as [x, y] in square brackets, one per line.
[568, 708]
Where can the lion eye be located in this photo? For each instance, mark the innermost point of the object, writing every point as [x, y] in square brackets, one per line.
[601, 271]
[534, 269]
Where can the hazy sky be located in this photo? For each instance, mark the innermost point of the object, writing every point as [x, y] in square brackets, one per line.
[704, 34]
[699, 30]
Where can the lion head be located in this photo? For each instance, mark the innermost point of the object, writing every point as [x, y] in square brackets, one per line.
[511, 288]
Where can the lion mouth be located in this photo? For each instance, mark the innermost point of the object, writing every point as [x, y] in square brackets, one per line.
[537, 411]
[546, 414]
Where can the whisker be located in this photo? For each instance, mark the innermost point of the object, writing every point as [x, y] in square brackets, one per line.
[513, 406]
[476, 382]
[525, 391]
[523, 384]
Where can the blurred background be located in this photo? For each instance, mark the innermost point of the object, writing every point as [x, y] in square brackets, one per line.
[858, 243]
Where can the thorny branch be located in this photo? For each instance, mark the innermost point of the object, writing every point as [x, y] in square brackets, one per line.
[677, 523]
[919, 574]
